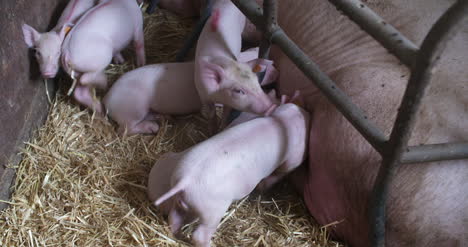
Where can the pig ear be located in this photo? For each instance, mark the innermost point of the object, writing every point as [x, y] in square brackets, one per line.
[65, 29]
[259, 64]
[211, 75]
[31, 36]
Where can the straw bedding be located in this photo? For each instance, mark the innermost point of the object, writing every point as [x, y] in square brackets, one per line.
[80, 184]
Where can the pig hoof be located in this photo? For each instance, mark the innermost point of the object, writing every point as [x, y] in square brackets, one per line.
[145, 127]
[98, 109]
[119, 59]
[202, 236]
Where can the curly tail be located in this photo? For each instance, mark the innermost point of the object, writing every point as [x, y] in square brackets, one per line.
[173, 191]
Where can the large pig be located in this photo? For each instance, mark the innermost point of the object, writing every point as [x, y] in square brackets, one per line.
[213, 173]
[97, 37]
[137, 97]
[48, 45]
[219, 77]
[428, 203]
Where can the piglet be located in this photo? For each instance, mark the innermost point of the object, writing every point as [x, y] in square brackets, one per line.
[159, 181]
[47, 45]
[209, 176]
[138, 97]
[219, 77]
[99, 35]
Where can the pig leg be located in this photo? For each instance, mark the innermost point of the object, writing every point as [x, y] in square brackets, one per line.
[210, 216]
[97, 79]
[176, 220]
[269, 181]
[82, 94]
[153, 116]
[275, 177]
[118, 58]
[143, 127]
[139, 44]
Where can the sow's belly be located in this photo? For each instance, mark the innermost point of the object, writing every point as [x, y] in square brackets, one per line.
[342, 165]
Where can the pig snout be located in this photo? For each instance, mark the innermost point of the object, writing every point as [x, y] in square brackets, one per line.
[264, 105]
[49, 72]
[49, 66]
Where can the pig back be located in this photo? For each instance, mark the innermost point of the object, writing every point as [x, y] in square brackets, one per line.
[103, 30]
[238, 157]
[73, 11]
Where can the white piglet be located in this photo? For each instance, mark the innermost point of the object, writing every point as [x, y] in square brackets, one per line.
[219, 76]
[98, 36]
[139, 96]
[48, 45]
[209, 176]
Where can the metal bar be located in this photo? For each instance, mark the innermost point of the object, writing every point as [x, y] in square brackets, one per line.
[195, 34]
[435, 152]
[252, 11]
[379, 29]
[429, 55]
[264, 51]
[341, 101]
[152, 6]
[270, 11]
[270, 8]
[354, 115]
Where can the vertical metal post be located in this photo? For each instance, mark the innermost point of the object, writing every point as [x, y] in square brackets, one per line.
[270, 12]
[428, 57]
[195, 34]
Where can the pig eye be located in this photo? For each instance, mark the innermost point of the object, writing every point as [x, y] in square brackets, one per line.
[238, 91]
[38, 53]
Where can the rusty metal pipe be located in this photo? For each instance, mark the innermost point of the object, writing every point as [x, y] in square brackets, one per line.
[435, 152]
[427, 58]
[379, 29]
